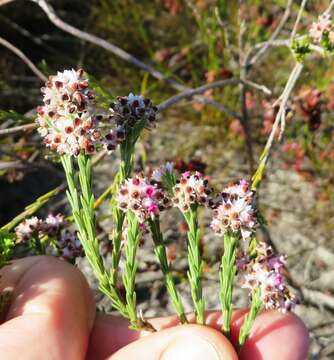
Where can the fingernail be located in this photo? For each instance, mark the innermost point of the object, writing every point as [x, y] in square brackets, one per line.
[193, 347]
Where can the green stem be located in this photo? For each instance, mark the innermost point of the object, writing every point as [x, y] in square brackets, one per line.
[84, 217]
[246, 327]
[195, 264]
[31, 209]
[124, 172]
[227, 274]
[160, 252]
[130, 270]
[39, 246]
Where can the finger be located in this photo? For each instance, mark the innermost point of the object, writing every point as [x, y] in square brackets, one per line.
[111, 333]
[275, 336]
[52, 310]
[105, 340]
[178, 343]
[268, 331]
[271, 329]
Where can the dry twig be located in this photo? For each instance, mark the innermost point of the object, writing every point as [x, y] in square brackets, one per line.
[23, 57]
[274, 35]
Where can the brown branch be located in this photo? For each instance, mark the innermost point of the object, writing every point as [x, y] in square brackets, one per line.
[276, 32]
[280, 119]
[299, 16]
[244, 119]
[190, 93]
[16, 129]
[23, 57]
[49, 11]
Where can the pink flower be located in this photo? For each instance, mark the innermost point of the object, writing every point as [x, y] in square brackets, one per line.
[153, 209]
[191, 189]
[150, 191]
[235, 211]
[140, 196]
[278, 280]
[265, 273]
[244, 182]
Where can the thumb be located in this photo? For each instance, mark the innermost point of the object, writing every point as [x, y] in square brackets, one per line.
[179, 342]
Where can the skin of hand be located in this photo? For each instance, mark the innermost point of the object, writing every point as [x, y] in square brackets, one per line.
[52, 316]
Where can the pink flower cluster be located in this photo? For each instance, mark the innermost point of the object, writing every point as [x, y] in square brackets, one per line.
[34, 226]
[265, 273]
[143, 197]
[235, 211]
[69, 246]
[191, 189]
[322, 27]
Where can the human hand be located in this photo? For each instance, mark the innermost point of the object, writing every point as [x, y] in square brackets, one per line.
[52, 316]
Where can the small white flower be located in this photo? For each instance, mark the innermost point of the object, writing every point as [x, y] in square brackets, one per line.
[27, 229]
[191, 189]
[68, 120]
[235, 211]
[322, 26]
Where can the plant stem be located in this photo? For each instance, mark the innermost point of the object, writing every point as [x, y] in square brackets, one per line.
[227, 274]
[195, 263]
[118, 216]
[32, 208]
[127, 148]
[130, 270]
[160, 252]
[250, 317]
[84, 217]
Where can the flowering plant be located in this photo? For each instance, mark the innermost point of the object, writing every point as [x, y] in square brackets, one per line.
[72, 124]
[76, 126]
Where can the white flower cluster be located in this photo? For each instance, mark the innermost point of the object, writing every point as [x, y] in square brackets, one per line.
[27, 229]
[34, 226]
[141, 196]
[68, 120]
[265, 273]
[235, 211]
[322, 27]
[69, 246]
[191, 189]
[70, 123]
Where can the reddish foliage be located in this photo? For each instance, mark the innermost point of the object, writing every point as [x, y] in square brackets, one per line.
[173, 6]
[192, 165]
[297, 152]
[310, 106]
[236, 128]
[269, 114]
